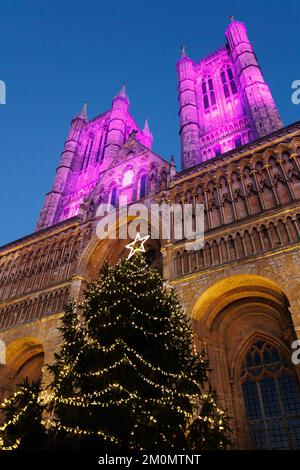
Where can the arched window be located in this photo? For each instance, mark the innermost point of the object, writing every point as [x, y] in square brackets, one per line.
[212, 98]
[232, 82]
[209, 98]
[226, 91]
[233, 87]
[99, 155]
[114, 196]
[205, 102]
[143, 184]
[271, 397]
[238, 142]
[229, 73]
[217, 150]
[228, 80]
[83, 161]
[128, 177]
[163, 180]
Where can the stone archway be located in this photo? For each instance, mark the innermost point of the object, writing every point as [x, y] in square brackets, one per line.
[228, 315]
[111, 251]
[24, 358]
[113, 248]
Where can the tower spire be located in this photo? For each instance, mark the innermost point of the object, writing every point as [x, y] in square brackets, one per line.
[83, 113]
[183, 52]
[146, 129]
[122, 92]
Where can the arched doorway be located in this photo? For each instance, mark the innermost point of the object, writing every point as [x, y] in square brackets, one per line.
[113, 248]
[231, 315]
[111, 251]
[24, 358]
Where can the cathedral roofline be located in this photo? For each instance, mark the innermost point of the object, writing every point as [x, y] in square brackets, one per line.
[211, 56]
[189, 172]
[134, 142]
[33, 236]
[99, 116]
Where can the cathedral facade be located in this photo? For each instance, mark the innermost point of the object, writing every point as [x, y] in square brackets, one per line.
[240, 289]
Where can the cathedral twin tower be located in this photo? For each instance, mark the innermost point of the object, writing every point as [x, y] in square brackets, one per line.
[240, 289]
[224, 103]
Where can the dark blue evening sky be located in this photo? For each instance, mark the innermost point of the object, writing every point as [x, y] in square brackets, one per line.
[55, 54]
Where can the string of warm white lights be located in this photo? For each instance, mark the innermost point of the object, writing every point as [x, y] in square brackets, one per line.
[82, 432]
[77, 431]
[136, 311]
[11, 447]
[132, 323]
[120, 342]
[16, 418]
[8, 401]
[124, 360]
[187, 415]
[157, 402]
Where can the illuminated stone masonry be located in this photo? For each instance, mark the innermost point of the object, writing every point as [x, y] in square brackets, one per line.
[91, 170]
[241, 289]
[224, 101]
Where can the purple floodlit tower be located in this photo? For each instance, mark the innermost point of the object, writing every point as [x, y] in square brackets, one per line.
[224, 101]
[90, 152]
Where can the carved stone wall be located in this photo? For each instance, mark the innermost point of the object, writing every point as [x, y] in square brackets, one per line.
[252, 228]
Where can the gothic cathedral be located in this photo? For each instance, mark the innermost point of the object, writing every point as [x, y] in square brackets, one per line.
[241, 289]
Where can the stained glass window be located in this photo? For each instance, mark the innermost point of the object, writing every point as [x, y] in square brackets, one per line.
[238, 142]
[208, 86]
[229, 72]
[143, 186]
[271, 397]
[233, 87]
[226, 91]
[205, 102]
[228, 80]
[212, 98]
[113, 198]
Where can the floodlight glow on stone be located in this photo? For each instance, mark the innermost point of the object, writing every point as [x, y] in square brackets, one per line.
[128, 177]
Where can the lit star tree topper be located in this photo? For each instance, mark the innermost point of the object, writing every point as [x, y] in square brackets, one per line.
[138, 245]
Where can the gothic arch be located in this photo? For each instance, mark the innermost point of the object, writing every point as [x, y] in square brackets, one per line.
[262, 367]
[111, 250]
[230, 313]
[225, 291]
[24, 358]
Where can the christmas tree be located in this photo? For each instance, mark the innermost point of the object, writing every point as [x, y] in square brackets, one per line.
[23, 428]
[127, 376]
